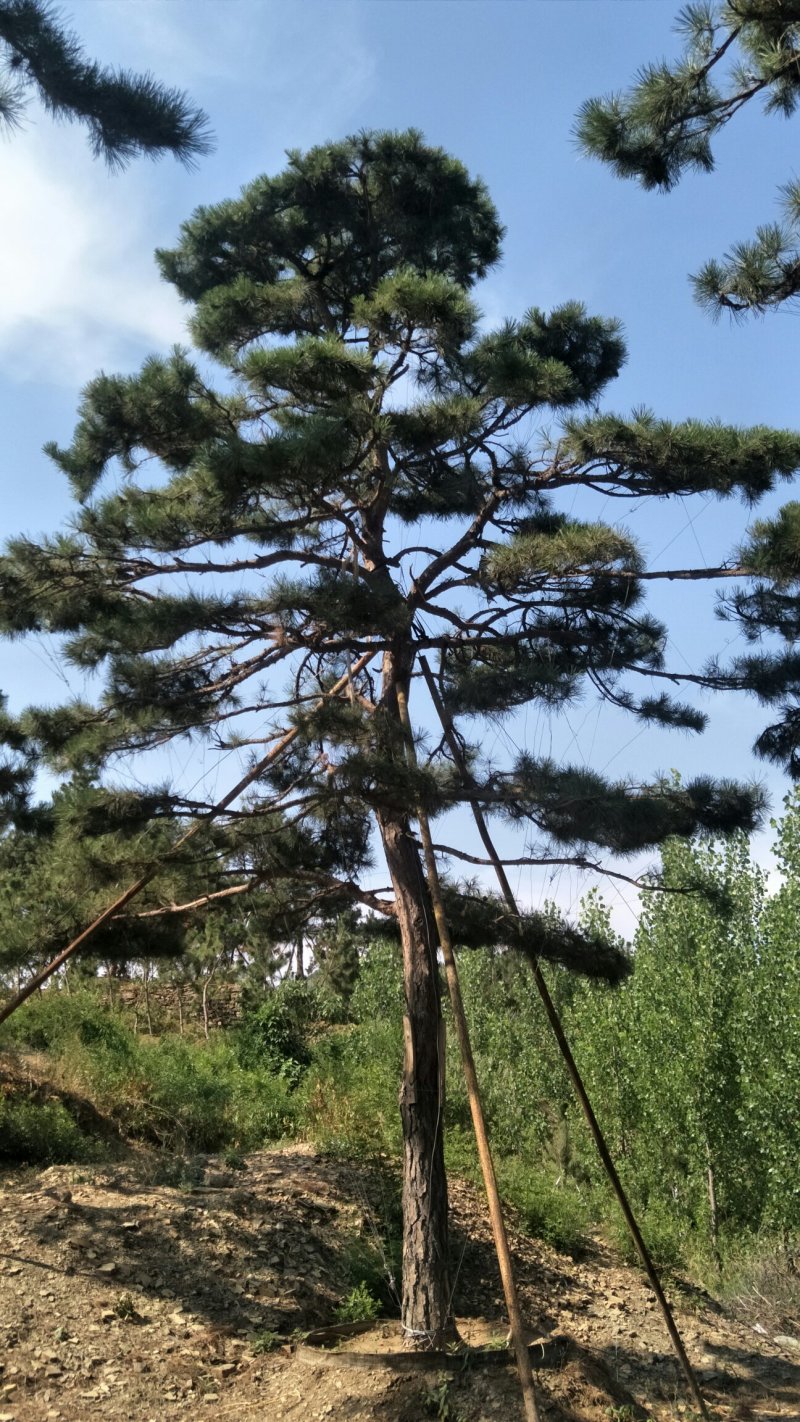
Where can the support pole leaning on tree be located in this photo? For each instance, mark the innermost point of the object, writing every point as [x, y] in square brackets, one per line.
[566, 1052]
[521, 1349]
[154, 869]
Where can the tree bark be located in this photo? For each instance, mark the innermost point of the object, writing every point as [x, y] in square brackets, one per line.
[426, 1315]
[712, 1208]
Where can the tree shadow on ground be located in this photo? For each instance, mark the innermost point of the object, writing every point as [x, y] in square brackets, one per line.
[211, 1262]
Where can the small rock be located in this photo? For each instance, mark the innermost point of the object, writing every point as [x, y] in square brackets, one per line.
[109, 1268]
[784, 1340]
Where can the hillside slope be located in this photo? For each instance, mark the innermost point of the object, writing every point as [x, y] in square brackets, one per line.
[124, 1297]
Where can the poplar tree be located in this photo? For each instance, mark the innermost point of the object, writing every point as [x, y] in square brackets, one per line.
[346, 468]
[735, 53]
[126, 114]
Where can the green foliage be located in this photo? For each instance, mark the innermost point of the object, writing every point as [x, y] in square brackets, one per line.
[277, 1033]
[169, 1091]
[664, 126]
[553, 1209]
[358, 1307]
[771, 1039]
[713, 1000]
[337, 951]
[265, 1342]
[378, 994]
[54, 1020]
[37, 1132]
[180, 1096]
[348, 1098]
[438, 1401]
[125, 1308]
[125, 114]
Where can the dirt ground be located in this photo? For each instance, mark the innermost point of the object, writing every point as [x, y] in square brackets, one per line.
[123, 1298]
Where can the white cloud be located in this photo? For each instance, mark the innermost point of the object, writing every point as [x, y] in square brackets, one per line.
[81, 289]
[271, 75]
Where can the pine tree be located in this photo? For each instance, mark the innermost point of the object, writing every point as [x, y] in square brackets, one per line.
[125, 114]
[359, 485]
[16, 771]
[735, 52]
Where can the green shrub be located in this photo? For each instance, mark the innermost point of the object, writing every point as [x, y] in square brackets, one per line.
[378, 993]
[375, 1263]
[184, 1095]
[347, 1101]
[358, 1307]
[41, 1133]
[278, 1032]
[55, 1017]
[669, 1238]
[173, 1092]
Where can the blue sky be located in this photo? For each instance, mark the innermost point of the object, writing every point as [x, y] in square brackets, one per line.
[496, 83]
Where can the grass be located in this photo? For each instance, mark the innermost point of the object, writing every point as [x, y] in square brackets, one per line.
[293, 1072]
[761, 1283]
[41, 1132]
[171, 1092]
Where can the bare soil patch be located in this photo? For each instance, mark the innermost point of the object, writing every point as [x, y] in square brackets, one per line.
[125, 1298]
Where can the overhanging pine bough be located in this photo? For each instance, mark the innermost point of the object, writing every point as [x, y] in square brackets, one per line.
[126, 114]
[359, 484]
[736, 53]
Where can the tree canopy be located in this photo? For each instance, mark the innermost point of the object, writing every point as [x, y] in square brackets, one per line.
[735, 52]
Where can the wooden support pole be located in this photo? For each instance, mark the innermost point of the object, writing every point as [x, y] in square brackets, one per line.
[566, 1052]
[484, 1151]
[150, 873]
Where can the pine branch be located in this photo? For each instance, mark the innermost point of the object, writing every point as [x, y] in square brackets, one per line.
[126, 114]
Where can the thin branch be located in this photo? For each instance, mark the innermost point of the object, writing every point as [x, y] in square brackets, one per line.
[577, 861]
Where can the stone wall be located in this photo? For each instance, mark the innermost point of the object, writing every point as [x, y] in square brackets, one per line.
[166, 1007]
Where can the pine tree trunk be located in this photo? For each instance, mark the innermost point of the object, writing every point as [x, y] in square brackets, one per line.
[426, 1315]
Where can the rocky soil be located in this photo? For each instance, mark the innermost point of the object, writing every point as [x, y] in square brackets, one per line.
[125, 1298]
